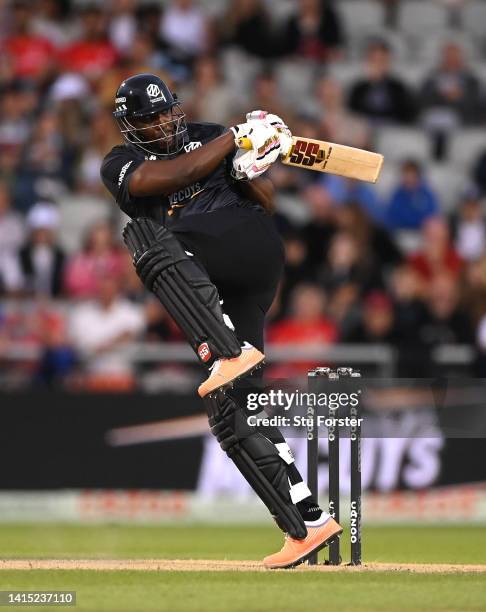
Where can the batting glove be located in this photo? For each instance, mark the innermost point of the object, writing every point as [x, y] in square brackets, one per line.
[285, 135]
[265, 149]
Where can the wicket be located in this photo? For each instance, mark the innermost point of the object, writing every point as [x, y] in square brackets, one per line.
[333, 434]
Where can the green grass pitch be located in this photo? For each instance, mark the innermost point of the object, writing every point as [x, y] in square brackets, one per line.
[230, 591]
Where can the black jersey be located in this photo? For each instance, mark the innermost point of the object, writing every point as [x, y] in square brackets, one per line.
[217, 190]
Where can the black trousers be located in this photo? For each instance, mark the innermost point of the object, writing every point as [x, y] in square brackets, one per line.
[243, 254]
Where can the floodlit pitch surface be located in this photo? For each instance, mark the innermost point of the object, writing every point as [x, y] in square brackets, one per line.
[207, 568]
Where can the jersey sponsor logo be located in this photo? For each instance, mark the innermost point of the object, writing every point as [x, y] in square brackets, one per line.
[204, 352]
[188, 193]
[192, 145]
[154, 93]
[123, 171]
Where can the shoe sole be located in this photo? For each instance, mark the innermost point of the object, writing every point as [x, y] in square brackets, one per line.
[306, 557]
[231, 382]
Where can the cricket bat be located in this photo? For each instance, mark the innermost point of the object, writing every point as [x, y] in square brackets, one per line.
[329, 157]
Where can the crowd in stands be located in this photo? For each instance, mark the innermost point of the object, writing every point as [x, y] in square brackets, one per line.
[364, 264]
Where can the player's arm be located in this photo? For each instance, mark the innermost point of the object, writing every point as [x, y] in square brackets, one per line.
[261, 190]
[166, 176]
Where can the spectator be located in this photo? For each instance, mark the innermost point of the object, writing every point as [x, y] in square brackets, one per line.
[320, 229]
[306, 325]
[451, 93]
[473, 292]
[377, 323]
[123, 25]
[307, 322]
[296, 268]
[451, 96]
[381, 96]
[41, 259]
[437, 254]
[148, 16]
[92, 54]
[99, 257]
[247, 25]
[476, 301]
[101, 327]
[375, 244]
[67, 98]
[142, 56]
[346, 264]
[210, 98]
[15, 107]
[57, 356]
[407, 292]
[185, 30]
[266, 96]
[344, 308]
[56, 122]
[479, 173]
[12, 232]
[469, 227]
[102, 135]
[30, 56]
[343, 191]
[51, 22]
[47, 164]
[337, 123]
[445, 322]
[12, 235]
[314, 32]
[413, 201]
[481, 344]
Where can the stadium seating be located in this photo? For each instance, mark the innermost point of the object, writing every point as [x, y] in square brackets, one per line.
[346, 72]
[295, 79]
[413, 73]
[465, 147]
[388, 179]
[416, 17]
[399, 143]
[474, 17]
[397, 42]
[239, 69]
[428, 48]
[448, 182]
[361, 15]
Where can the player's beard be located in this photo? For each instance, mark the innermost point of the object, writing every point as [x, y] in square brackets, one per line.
[173, 134]
[170, 144]
[166, 139]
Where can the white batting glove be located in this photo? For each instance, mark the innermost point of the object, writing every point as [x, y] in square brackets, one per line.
[265, 142]
[278, 123]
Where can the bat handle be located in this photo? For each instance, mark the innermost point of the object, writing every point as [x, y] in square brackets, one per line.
[245, 143]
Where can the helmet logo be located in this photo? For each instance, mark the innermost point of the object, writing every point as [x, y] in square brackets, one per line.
[153, 91]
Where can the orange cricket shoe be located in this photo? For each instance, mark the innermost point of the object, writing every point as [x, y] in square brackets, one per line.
[226, 371]
[295, 552]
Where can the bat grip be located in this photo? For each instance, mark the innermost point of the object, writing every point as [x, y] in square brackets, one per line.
[245, 143]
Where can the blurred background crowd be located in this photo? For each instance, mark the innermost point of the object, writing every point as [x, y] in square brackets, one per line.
[400, 264]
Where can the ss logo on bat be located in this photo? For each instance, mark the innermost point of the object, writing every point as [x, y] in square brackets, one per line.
[307, 153]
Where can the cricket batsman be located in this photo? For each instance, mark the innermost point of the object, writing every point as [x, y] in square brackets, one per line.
[204, 243]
